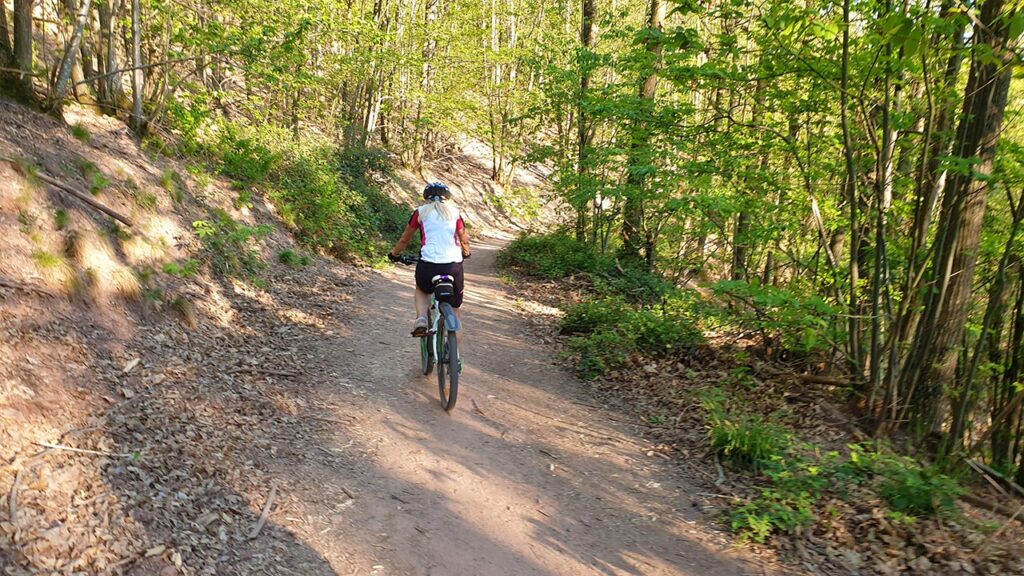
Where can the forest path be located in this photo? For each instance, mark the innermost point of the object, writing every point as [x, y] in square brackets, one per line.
[518, 480]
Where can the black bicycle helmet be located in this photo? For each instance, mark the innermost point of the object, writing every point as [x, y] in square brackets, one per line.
[437, 189]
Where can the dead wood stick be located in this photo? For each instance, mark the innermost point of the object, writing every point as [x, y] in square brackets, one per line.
[82, 450]
[721, 472]
[12, 500]
[991, 472]
[991, 481]
[255, 370]
[26, 288]
[266, 512]
[825, 380]
[348, 492]
[76, 194]
[991, 506]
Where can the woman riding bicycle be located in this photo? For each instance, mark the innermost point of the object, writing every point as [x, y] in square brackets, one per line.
[445, 245]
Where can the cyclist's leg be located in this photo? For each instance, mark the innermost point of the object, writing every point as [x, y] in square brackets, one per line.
[459, 283]
[422, 303]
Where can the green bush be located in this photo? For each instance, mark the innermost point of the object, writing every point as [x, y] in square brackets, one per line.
[591, 315]
[803, 323]
[292, 258]
[226, 244]
[904, 483]
[81, 133]
[744, 439]
[183, 269]
[553, 256]
[609, 330]
[602, 351]
[660, 335]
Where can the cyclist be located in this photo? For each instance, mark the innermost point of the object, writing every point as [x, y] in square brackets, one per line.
[445, 245]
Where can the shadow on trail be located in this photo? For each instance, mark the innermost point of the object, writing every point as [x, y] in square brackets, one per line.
[515, 476]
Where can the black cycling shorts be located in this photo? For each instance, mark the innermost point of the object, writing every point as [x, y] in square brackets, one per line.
[425, 272]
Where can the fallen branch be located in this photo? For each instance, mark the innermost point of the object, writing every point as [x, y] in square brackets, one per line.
[348, 492]
[991, 506]
[721, 472]
[75, 193]
[82, 450]
[266, 512]
[12, 500]
[824, 380]
[991, 472]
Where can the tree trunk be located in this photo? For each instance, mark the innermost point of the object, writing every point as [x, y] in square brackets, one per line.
[70, 58]
[138, 80]
[110, 89]
[932, 364]
[582, 129]
[635, 235]
[855, 352]
[6, 49]
[23, 50]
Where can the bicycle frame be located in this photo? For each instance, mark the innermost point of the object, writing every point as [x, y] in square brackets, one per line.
[437, 311]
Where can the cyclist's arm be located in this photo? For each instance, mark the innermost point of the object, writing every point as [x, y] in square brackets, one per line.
[410, 229]
[464, 241]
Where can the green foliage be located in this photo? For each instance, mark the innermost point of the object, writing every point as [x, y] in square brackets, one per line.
[61, 219]
[227, 244]
[552, 256]
[145, 200]
[184, 269]
[803, 323]
[905, 484]
[593, 315]
[292, 258]
[100, 182]
[81, 133]
[610, 330]
[172, 182]
[744, 439]
[48, 260]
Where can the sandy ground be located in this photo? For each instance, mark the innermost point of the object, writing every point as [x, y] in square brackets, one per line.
[521, 478]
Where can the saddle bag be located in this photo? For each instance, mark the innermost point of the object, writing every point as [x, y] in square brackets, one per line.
[444, 288]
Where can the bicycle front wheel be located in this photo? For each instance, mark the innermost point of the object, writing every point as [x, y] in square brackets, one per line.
[447, 367]
[426, 358]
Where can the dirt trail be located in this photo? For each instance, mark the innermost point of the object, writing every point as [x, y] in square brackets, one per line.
[519, 479]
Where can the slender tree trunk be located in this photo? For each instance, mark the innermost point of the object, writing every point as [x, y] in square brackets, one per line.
[6, 48]
[635, 234]
[855, 351]
[70, 58]
[932, 365]
[23, 49]
[582, 128]
[138, 80]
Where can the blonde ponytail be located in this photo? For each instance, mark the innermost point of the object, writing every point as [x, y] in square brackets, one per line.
[446, 210]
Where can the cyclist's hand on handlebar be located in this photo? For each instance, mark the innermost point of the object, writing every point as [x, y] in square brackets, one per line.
[466, 255]
[393, 258]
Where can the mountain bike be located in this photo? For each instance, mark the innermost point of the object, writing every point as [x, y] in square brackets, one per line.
[440, 347]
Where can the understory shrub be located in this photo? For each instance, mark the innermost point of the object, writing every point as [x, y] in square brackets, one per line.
[553, 256]
[607, 331]
[796, 486]
[227, 244]
[326, 193]
[799, 322]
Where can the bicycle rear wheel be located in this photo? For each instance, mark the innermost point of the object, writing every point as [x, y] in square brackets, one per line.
[447, 366]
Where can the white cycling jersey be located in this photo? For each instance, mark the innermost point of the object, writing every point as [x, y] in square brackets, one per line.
[440, 237]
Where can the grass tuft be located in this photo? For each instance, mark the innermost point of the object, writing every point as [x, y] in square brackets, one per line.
[81, 133]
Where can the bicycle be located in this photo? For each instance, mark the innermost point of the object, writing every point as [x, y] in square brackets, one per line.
[439, 346]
